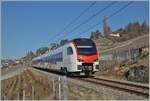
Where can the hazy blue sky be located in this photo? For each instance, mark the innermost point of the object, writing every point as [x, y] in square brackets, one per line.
[29, 25]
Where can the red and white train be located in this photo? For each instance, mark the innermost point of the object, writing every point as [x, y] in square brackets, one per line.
[77, 57]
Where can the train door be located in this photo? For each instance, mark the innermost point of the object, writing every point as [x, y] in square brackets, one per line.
[70, 58]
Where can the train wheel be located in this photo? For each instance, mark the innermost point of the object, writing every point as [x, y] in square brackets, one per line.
[61, 70]
[65, 71]
[87, 74]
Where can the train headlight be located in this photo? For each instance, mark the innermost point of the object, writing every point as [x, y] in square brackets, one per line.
[80, 60]
[97, 67]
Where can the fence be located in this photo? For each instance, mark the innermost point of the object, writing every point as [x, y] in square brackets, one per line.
[116, 58]
[59, 91]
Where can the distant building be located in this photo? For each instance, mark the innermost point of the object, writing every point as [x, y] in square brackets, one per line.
[5, 64]
[115, 35]
[17, 61]
[9, 62]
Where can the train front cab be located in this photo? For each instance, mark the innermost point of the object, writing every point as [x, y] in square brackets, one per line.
[82, 58]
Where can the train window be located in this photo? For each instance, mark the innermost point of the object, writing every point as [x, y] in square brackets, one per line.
[69, 51]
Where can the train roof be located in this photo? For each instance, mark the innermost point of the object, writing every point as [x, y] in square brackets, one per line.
[83, 41]
[78, 41]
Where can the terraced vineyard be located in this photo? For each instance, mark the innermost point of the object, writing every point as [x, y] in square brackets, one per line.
[27, 86]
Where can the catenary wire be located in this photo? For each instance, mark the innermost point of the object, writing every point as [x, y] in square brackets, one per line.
[110, 16]
[90, 18]
[75, 20]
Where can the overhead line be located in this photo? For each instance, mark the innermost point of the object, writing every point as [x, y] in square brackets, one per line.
[84, 11]
[94, 15]
[77, 18]
[119, 10]
[91, 17]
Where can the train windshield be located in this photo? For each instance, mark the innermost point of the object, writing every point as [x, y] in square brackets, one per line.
[87, 51]
[85, 46]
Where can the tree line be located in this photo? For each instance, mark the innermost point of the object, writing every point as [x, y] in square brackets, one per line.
[130, 31]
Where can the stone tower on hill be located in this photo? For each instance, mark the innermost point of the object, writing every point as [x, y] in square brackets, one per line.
[106, 28]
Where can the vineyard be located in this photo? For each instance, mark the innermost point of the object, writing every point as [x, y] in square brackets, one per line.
[27, 85]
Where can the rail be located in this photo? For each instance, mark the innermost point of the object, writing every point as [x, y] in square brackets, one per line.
[122, 85]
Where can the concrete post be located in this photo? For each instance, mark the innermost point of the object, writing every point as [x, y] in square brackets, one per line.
[23, 94]
[53, 87]
[33, 91]
[65, 88]
[59, 88]
[18, 96]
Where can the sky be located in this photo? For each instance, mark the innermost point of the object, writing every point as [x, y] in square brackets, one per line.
[29, 25]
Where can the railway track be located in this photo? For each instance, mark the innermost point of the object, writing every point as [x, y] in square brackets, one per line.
[136, 88]
[121, 85]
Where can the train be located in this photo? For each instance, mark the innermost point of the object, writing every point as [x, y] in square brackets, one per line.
[78, 57]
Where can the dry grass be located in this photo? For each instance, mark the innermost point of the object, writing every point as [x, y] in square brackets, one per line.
[118, 73]
[78, 93]
[13, 88]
